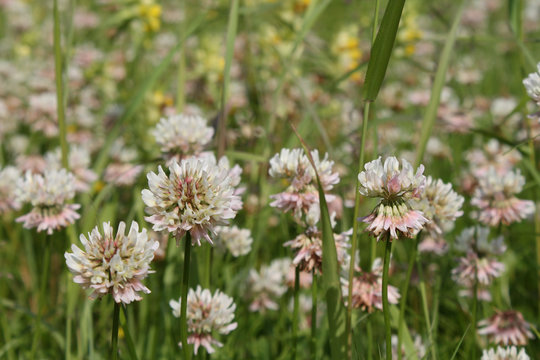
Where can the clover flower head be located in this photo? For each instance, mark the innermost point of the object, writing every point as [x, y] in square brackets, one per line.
[195, 197]
[113, 264]
[476, 239]
[48, 194]
[440, 204]
[495, 197]
[532, 85]
[237, 241]
[367, 289]
[206, 313]
[472, 267]
[264, 287]
[508, 353]
[184, 134]
[506, 328]
[8, 180]
[79, 165]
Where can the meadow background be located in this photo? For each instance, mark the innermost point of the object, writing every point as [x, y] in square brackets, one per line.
[253, 68]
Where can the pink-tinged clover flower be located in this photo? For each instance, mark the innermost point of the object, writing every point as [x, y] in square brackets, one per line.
[79, 165]
[113, 264]
[367, 289]
[183, 134]
[506, 328]
[196, 196]
[495, 197]
[48, 194]
[206, 313]
[395, 185]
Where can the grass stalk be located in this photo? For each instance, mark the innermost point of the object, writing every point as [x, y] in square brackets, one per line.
[386, 305]
[313, 342]
[425, 308]
[354, 238]
[114, 334]
[295, 312]
[59, 85]
[474, 314]
[42, 296]
[183, 302]
[404, 293]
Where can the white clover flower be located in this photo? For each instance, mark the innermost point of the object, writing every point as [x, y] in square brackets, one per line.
[294, 165]
[476, 238]
[508, 353]
[495, 197]
[532, 84]
[196, 196]
[182, 133]
[79, 165]
[440, 204]
[237, 241]
[205, 314]
[395, 186]
[267, 285]
[8, 183]
[113, 264]
[48, 195]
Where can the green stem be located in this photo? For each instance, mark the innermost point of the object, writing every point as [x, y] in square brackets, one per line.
[181, 90]
[370, 340]
[474, 309]
[386, 305]
[354, 239]
[295, 311]
[313, 342]
[404, 292]
[114, 335]
[183, 302]
[59, 86]
[42, 297]
[425, 308]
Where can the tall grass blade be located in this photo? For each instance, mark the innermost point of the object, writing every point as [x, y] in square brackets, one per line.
[231, 36]
[330, 270]
[382, 49]
[438, 84]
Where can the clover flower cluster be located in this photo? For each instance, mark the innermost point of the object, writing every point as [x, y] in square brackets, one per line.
[237, 241]
[183, 134]
[479, 263]
[48, 194]
[506, 328]
[113, 264]
[395, 185]
[301, 194]
[501, 353]
[8, 184]
[265, 286]
[195, 197]
[206, 313]
[496, 200]
[367, 288]
[79, 165]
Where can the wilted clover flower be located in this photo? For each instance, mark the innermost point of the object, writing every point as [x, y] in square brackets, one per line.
[237, 241]
[8, 183]
[508, 353]
[267, 285]
[196, 196]
[532, 84]
[395, 185]
[113, 264]
[495, 197]
[506, 328]
[206, 313]
[48, 194]
[183, 134]
[301, 194]
[309, 249]
[367, 288]
[440, 204]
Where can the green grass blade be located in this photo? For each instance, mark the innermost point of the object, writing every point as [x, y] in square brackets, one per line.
[438, 84]
[330, 279]
[231, 36]
[382, 49]
[460, 342]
